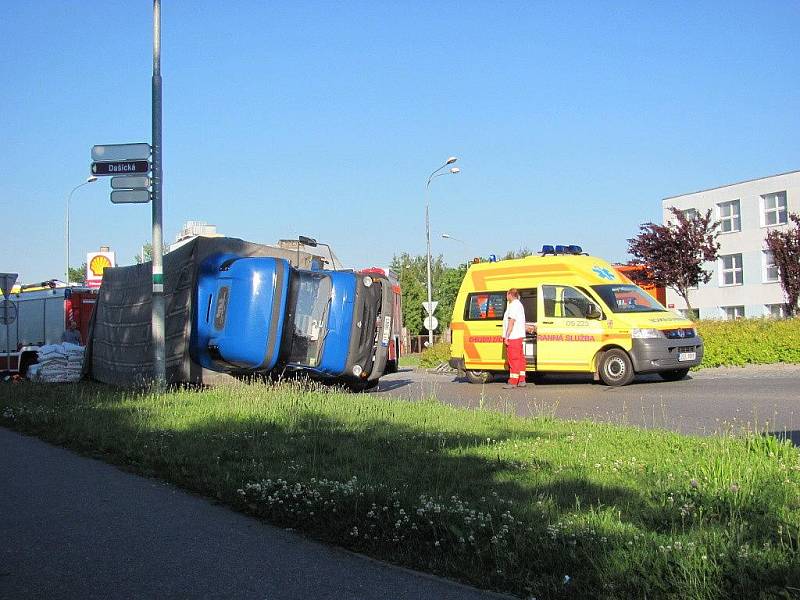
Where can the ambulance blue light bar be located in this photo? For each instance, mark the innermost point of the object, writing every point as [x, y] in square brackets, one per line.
[561, 249]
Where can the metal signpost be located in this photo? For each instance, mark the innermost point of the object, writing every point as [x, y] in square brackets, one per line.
[159, 351]
[133, 177]
[7, 281]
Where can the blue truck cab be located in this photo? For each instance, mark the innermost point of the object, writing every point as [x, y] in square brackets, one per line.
[256, 315]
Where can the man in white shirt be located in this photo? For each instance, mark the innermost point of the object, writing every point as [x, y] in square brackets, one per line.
[513, 336]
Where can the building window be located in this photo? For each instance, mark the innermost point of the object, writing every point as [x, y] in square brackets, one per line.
[775, 311]
[692, 315]
[733, 312]
[730, 270]
[770, 271]
[728, 216]
[773, 209]
[690, 213]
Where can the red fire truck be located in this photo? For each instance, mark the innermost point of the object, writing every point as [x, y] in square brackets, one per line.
[395, 346]
[39, 314]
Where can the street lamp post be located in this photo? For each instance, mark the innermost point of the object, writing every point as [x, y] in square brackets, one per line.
[434, 175]
[89, 180]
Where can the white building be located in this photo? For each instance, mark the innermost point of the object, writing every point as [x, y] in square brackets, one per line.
[191, 230]
[744, 281]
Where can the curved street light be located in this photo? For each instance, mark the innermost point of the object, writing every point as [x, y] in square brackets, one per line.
[431, 177]
[90, 179]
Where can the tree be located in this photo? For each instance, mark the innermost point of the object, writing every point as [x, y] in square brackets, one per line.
[412, 270]
[77, 274]
[785, 248]
[673, 254]
[147, 253]
[521, 253]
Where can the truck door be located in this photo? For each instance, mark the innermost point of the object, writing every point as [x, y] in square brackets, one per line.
[567, 340]
[483, 331]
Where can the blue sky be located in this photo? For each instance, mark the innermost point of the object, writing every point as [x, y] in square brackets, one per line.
[571, 121]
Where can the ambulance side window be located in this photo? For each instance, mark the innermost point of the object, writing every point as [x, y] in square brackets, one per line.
[486, 306]
[564, 302]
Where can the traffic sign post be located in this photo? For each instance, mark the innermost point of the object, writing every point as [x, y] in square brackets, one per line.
[7, 281]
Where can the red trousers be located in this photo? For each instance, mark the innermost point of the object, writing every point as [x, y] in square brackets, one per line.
[516, 361]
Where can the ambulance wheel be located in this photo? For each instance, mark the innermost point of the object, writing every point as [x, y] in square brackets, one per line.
[674, 375]
[478, 376]
[616, 368]
[391, 366]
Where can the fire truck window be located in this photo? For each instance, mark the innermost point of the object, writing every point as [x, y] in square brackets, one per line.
[486, 306]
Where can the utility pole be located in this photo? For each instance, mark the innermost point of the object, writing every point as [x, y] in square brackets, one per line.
[157, 322]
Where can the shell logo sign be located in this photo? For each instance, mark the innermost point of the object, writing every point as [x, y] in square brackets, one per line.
[96, 263]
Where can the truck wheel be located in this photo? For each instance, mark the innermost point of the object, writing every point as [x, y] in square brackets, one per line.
[391, 366]
[478, 376]
[674, 375]
[616, 368]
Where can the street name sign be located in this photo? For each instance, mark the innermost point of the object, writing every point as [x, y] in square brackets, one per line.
[430, 306]
[130, 196]
[130, 182]
[115, 152]
[431, 323]
[120, 167]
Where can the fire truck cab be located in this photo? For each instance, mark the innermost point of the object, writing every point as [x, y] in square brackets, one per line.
[39, 315]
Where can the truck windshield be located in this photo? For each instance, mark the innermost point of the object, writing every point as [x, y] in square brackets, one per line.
[627, 299]
[312, 297]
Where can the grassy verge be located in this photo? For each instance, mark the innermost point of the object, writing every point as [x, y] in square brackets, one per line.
[410, 360]
[536, 507]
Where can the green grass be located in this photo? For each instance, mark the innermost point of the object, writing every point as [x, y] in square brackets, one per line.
[537, 507]
[410, 360]
[750, 341]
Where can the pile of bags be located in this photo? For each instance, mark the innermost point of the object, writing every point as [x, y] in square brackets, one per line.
[58, 363]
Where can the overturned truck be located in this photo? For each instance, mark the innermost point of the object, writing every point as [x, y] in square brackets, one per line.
[237, 308]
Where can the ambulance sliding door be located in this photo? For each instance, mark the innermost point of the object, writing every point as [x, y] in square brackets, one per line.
[566, 340]
[483, 331]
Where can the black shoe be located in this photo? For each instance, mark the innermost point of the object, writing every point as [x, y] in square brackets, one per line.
[510, 386]
[522, 384]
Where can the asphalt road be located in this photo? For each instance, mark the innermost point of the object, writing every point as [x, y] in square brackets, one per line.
[73, 527]
[762, 398]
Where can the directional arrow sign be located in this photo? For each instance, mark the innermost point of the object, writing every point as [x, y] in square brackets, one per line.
[431, 323]
[7, 281]
[120, 167]
[130, 182]
[121, 152]
[430, 307]
[130, 196]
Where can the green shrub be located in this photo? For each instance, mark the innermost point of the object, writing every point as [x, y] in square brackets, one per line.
[750, 341]
[435, 355]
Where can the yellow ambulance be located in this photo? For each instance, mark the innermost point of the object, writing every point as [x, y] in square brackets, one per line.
[582, 316]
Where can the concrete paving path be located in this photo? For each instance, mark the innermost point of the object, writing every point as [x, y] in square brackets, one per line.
[73, 527]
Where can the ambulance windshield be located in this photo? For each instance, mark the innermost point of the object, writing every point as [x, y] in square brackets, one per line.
[627, 299]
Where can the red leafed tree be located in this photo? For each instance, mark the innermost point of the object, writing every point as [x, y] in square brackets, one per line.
[785, 248]
[673, 254]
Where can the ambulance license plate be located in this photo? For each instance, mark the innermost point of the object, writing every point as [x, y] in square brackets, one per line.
[684, 356]
[387, 330]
